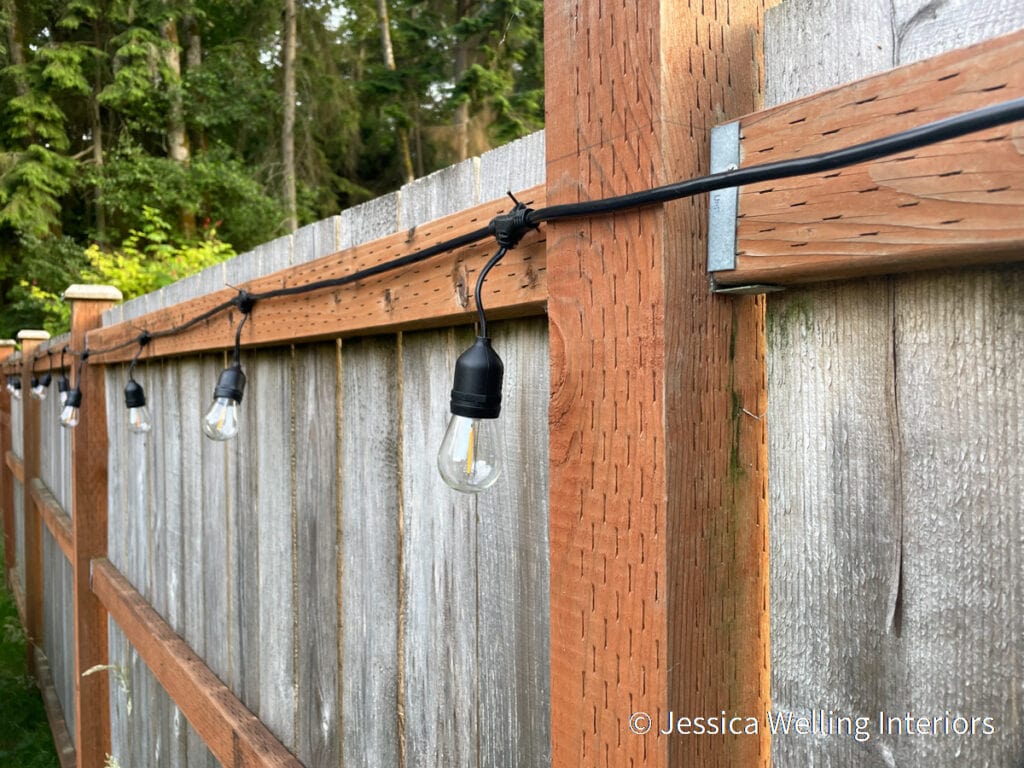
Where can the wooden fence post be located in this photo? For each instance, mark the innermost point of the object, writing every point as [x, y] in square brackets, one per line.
[658, 474]
[89, 531]
[30, 340]
[7, 347]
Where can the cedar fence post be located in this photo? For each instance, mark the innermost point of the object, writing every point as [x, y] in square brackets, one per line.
[89, 531]
[658, 538]
[30, 340]
[6, 478]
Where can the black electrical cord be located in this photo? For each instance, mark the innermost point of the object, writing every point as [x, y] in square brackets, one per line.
[913, 138]
[510, 227]
[481, 314]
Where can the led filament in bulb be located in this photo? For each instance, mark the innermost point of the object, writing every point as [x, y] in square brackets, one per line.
[470, 456]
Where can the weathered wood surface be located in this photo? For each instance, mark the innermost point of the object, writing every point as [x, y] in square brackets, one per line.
[956, 203]
[59, 629]
[58, 727]
[895, 491]
[238, 738]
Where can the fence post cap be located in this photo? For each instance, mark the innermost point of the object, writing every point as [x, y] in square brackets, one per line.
[92, 293]
[33, 335]
[8, 343]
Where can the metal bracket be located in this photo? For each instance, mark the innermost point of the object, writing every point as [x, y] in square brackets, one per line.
[723, 204]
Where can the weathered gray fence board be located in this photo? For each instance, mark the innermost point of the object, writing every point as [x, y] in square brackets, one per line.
[439, 558]
[271, 388]
[243, 545]
[512, 558]
[370, 544]
[895, 492]
[316, 556]
[17, 427]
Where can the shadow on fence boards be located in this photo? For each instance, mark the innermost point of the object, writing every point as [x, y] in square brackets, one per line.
[311, 593]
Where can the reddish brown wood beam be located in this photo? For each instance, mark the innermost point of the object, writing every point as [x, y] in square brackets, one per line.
[55, 518]
[956, 203]
[234, 735]
[657, 480]
[436, 292]
[6, 479]
[16, 466]
[89, 531]
[35, 626]
[54, 713]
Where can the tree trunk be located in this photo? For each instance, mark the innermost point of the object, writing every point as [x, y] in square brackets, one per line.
[177, 137]
[194, 60]
[389, 62]
[288, 128]
[460, 119]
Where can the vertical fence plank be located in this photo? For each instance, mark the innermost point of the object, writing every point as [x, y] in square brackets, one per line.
[89, 525]
[512, 557]
[370, 542]
[270, 386]
[439, 561]
[117, 551]
[316, 504]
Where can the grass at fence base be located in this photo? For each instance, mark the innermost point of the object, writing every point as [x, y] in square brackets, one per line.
[25, 740]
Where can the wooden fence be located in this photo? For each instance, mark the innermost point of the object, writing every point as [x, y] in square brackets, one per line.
[312, 594]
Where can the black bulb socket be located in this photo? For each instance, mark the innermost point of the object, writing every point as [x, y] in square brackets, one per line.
[231, 384]
[134, 395]
[74, 399]
[47, 378]
[34, 382]
[476, 391]
[17, 382]
[63, 385]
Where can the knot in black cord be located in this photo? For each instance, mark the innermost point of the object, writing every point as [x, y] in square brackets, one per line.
[245, 302]
[509, 228]
[144, 339]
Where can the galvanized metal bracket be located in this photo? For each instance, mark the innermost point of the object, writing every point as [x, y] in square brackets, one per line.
[723, 204]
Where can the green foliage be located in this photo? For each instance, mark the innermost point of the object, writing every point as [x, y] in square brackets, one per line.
[151, 257]
[25, 739]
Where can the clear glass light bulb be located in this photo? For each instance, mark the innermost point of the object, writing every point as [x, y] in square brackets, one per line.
[69, 417]
[221, 421]
[470, 457]
[39, 389]
[138, 419]
[17, 390]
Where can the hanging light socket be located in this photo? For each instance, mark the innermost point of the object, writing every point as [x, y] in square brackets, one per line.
[476, 390]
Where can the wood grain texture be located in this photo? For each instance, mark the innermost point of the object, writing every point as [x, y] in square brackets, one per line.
[33, 531]
[89, 495]
[316, 555]
[434, 292]
[271, 387]
[513, 639]
[6, 476]
[54, 711]
[959, 202]
[440, 669]
[657, 533]
[895, 543]
[56, 520]
[370, 553]
[235, 735]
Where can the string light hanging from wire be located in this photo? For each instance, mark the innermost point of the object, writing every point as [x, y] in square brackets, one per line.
[63, 385]
[40, 384]
[70, 414]
[135, 397]
[220, 422]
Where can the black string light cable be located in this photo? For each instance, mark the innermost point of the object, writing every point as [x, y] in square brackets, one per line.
[476, 394]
